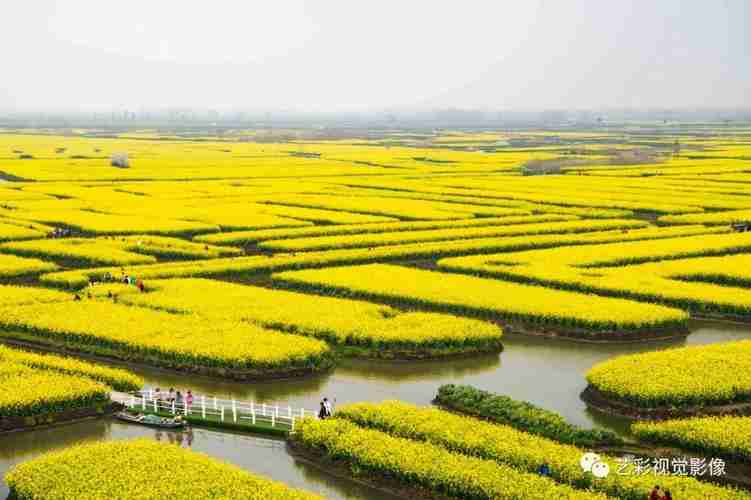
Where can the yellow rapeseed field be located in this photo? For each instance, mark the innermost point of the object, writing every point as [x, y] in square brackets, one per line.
[120, 250]
[674, 270]
[427, 465]
[116, 378]
[186, 342]
[508, 446]
[727, 436]
[511, 301]
[26, 392]
[34, 384]
[687, 376]
[350, 322]
[456, 230]
[114, 469]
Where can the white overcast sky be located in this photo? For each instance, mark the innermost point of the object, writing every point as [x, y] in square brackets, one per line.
[345, 55]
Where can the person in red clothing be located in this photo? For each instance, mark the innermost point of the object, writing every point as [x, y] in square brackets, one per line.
[656, 493]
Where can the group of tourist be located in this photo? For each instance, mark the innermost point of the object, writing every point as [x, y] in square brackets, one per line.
[326, 410]
[110, 278]
[123, 278]
[173, 396]
[59, 233]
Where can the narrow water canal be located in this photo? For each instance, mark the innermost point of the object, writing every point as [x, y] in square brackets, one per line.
[547, 372]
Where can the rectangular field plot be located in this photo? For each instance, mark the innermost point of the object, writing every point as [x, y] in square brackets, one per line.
[10, 265]
[343, 321]
[179, 341]
[692, 272]
[10, 232]
[714, 218]
[244, 237]
[510, 301]
[243, 266]
[121, 250]
[401, 208]
[401, 237]
[106, 223]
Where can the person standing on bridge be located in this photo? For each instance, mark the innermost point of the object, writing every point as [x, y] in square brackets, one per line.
[322, 411]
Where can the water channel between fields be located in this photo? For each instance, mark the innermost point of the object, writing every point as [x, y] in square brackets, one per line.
[546, 372]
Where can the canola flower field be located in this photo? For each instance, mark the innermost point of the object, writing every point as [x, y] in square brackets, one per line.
[267, 257]
[424, 464]
[120, 251]
[356, 323]
[118, 379]
[186, 342]
[254, 265]
[675, 271]
[236, 209]
[508, 446]
[154, 470]
[728, 436]
[438, 447]
[39, 384]
[27, 392]
[516, 302]
[683, 377]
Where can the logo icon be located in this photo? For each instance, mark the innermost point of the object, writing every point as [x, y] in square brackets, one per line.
[591, 462]
[600, 470]
[588, 460]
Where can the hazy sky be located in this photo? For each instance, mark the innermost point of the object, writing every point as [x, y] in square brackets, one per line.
[341, 55]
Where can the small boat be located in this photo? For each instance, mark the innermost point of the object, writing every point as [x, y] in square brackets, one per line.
[151, 420]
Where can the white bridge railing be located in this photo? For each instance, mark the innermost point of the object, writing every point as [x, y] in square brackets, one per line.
[219, 410]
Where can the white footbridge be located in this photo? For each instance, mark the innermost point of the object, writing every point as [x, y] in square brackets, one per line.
[216, 410]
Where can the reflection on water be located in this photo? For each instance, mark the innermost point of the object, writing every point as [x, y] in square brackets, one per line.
[261, 455]
[25, 444]
[295, 390]
[547, 372]
[397, 372]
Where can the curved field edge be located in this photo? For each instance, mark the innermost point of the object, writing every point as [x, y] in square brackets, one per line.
[603, 403]
[51, 419]
[118, 379]
[46, 389]
[253, 265]
[521, 415]
[111, 469]
[375, 453]
[351, 327]
[466, 295]
[508, 446]
[725, 436]
[684, 381]
[42, 339]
